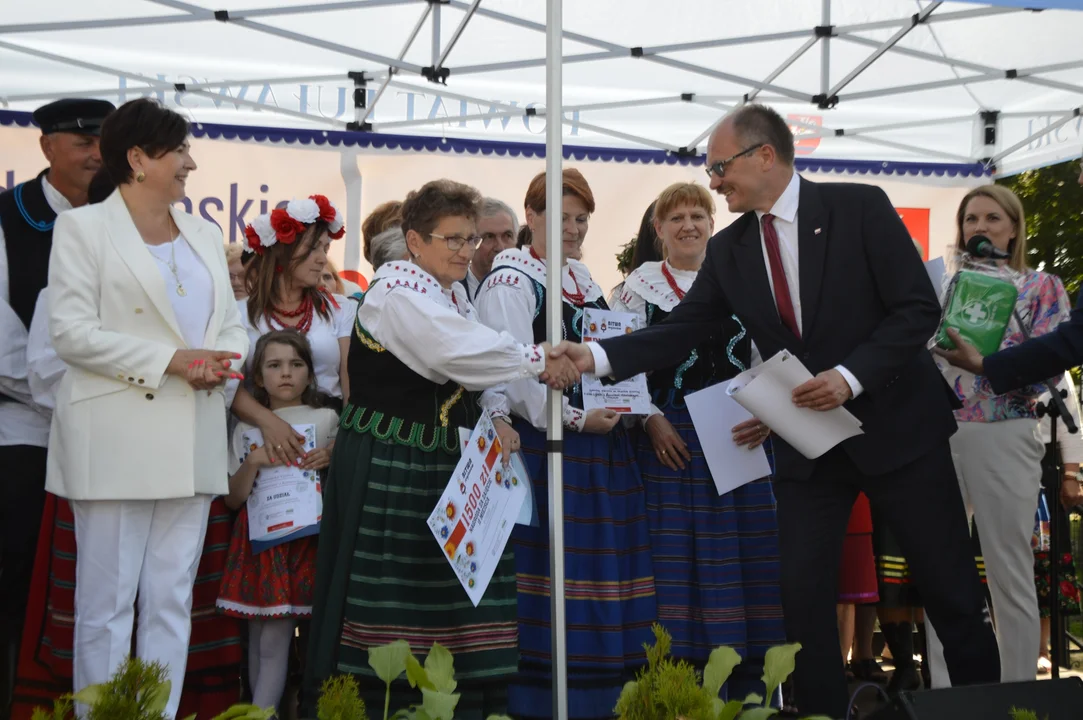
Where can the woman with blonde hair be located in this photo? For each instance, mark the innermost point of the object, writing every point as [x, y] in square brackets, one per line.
[715, 557]
[998, 449]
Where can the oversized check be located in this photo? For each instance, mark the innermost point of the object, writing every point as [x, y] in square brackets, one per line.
[475, 515]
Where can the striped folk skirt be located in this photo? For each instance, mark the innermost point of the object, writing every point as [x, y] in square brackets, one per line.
[381, 576]
[609, 578]
[716, 558]
[212, 675]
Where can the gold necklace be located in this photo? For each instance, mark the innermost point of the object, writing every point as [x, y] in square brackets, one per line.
[172, 265]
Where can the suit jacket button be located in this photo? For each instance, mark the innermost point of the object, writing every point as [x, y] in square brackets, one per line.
[804, 357]
[140, 381]
[150, 396]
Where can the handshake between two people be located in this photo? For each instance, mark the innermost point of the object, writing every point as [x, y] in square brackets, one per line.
[567, 361]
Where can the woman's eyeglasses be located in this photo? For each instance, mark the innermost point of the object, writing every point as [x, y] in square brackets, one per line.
[719, 168]
[456, 242]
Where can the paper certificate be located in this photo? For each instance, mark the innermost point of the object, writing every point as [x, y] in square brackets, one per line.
[714, 414]
[286, 502]
[475, 515]
[766, 392]
[628, 397]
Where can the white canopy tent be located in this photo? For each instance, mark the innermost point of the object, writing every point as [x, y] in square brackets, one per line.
[861, 80]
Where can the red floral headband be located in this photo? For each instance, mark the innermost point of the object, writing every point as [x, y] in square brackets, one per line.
[285, 225]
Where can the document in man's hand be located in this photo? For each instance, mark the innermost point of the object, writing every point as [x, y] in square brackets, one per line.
[714, 414]
[766, 391]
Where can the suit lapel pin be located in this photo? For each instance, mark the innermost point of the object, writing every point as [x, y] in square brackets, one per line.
[816, 231]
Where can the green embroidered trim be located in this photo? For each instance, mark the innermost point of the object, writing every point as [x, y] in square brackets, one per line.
[391, 429]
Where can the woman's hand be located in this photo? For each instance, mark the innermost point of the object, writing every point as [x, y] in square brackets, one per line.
[750, 433]
[600, 421]
[1071, 494]
[216, 360]
[318, 459]
[202, 376]
[669, 447]
[259, 458]
[509, 439]
[283, 443]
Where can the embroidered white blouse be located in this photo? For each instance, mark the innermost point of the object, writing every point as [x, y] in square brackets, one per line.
[506, 302]
[436, 333]
[646, 284]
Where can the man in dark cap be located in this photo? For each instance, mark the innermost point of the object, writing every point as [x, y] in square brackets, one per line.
[69, 141]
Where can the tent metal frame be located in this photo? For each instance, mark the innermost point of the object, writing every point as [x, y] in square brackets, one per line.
[827, 95]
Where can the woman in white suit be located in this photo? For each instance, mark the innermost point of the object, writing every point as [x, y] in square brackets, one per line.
[139, 296]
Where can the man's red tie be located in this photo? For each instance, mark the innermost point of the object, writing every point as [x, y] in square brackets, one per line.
[778, 276]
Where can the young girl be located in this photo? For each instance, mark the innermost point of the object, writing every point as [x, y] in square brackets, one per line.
[273, 587]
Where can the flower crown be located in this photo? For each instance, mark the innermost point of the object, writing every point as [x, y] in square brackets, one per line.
[285, 225]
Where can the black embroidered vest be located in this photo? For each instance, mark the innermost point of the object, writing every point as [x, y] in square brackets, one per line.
[721, 357]
[381, 383]
[27, 221]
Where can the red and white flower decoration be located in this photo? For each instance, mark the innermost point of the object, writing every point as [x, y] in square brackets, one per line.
[285, 225]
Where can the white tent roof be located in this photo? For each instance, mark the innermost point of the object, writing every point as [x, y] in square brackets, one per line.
[881, 80]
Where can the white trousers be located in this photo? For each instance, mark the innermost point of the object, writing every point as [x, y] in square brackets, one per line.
[149, 548]
[1000, 475]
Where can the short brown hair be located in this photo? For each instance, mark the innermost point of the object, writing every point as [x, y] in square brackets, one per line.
[386, 216]
[141, 123]
[759, 124]
[574, 184]
[683, 193]
[1013, 208]
[435, 200]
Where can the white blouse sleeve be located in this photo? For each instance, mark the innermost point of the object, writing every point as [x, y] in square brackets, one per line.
[439, 344]
[13, 365]
[511, 310]
[44, 368]
[344, 316]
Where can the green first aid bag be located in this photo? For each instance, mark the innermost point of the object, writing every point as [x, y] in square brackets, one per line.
[980, 307]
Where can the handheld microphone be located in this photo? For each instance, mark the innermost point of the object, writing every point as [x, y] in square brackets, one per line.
[981, 246]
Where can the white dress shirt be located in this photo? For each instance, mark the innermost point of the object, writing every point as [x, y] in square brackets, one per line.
[785, 222]
[21, 423]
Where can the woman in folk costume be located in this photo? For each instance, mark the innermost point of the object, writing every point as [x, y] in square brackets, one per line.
[610, 597]
[715, 557]
[416, 359]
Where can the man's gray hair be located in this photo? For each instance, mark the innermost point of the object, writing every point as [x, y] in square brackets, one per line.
[491, 206]
[388, 246]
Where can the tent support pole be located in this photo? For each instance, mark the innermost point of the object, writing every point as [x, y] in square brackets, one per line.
[785, 64]
[435, 32]
[554, 182]
[458, 33]
[825, 49]
[1052, 127]
[391, 72]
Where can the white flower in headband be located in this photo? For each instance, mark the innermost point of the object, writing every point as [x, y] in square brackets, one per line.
[285, 225]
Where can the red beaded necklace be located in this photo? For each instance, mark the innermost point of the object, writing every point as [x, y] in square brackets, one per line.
[579, 297]
[305, 311]
[672, 282]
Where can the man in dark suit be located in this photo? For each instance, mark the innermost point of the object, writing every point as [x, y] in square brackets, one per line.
[829, 273]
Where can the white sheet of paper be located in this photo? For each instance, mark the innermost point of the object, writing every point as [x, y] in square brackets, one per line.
[284, 499]
[766, 392]
[526, 513]
[627, 397]
[714, 413]
[473, 520]
[936, 270]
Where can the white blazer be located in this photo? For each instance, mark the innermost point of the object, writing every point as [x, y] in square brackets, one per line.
[122, 428]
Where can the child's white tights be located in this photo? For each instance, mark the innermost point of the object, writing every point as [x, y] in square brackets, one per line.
[269, 659]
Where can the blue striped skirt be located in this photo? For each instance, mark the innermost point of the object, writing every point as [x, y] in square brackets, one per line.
[609, 578]
[716, 558]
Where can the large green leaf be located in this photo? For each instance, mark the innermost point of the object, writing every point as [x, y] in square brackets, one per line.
[753, 699]
[389, 661]
[89, 695]
[440, 667]
[439, 705]
[417, 675]
[759, 713]
[158, 697]
[719, 668]
[727, 711]
[499, 717]
[778, 665]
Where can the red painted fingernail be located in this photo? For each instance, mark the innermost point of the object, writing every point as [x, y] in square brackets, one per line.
[218, 374]
[236, 356]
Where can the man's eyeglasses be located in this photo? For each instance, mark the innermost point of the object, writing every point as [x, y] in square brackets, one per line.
[719, 168]
[455, 242]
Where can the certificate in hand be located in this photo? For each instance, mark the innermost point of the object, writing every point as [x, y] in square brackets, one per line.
[286, 502]
[628, 397]
[475, 515]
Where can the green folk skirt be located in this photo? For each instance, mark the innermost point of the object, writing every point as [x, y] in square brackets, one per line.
[381, 576]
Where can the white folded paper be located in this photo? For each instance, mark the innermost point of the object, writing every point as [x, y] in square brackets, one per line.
[936, 270]
[766, 392]
[714, 414]
[627, 397]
